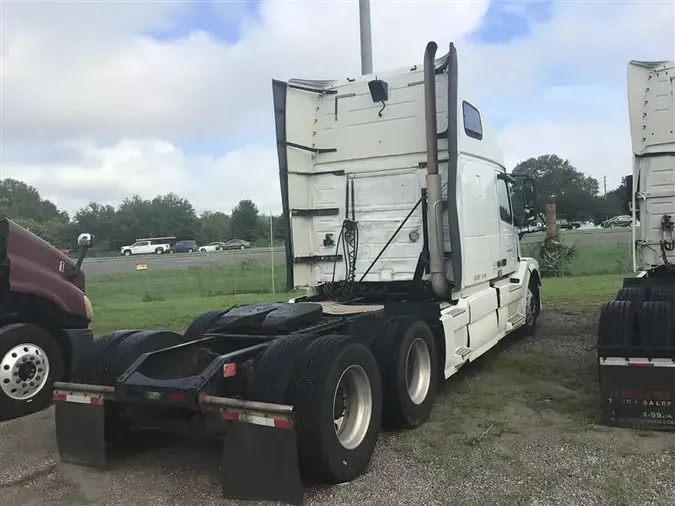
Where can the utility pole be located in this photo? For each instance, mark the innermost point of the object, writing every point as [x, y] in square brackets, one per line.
[604, 178]
[366, 38]
[272, 249]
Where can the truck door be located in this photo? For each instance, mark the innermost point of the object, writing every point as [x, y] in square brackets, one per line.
[141, 247]
[508, 235]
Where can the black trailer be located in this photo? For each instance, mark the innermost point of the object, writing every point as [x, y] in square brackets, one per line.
[636, 355]
[296, 391]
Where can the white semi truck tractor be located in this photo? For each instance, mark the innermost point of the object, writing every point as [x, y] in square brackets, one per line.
[636, 333]
[402, 231]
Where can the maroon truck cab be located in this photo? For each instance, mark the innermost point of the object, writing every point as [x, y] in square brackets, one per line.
[45, 319]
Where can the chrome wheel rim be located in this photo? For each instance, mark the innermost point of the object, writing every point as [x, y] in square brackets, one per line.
[24, 371]
[418, 370]
[352, 407]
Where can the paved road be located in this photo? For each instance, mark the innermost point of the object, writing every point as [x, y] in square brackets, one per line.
[98, 266]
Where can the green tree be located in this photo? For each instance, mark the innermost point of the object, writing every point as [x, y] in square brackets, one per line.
[19, 200]
[165, 215]
[557, 180]
[23, 204]
[245, 224]
[172, 215]
[102, 222]
[134, 219]
[62, 234]
[556, 177]
[622, 196]
[279, 228]
[213, 226]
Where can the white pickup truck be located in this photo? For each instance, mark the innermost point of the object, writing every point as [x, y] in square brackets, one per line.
[158, 245]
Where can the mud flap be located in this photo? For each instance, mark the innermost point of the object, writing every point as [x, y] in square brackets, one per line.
[260, 452]
[638, 393]
[80, 420]
[261, 463]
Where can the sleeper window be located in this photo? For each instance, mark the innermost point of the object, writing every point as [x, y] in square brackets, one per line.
[472, 124]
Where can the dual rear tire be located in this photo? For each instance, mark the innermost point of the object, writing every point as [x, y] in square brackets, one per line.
[113, 353]
[344, 392]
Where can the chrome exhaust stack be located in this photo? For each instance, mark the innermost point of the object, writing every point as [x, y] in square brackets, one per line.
[439, 281]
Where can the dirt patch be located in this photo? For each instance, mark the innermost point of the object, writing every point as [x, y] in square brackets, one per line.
[521, 426]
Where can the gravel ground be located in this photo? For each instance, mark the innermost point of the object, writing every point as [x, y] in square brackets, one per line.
[516, 428]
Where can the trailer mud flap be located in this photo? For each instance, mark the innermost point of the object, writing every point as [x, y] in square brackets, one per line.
[80, 420]
[260, 452]
[638, 393]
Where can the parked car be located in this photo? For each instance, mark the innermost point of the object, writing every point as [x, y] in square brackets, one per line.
[237, 244]
[569, 225]
[617, 221]
[157, 245]
[185, 247]
[222, 246]
[211, 247]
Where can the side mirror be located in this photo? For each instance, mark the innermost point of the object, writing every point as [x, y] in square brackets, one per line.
[529, 196]
[85, 240]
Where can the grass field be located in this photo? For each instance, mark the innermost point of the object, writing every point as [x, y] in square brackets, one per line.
[173, 311]
[594, 259]
[169, 299]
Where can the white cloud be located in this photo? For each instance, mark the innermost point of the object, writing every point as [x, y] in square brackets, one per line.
[150, 167]
[82, 71]
[195, 87]
[586, 124]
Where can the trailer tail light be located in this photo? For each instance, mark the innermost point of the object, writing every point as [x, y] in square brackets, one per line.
[281, 423]
[229, 370]
[175, 397]
[228, 416]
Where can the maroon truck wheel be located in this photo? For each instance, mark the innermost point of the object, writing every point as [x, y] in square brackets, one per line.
[30, 361]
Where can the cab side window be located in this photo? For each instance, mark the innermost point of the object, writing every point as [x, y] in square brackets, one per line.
[473, 127]
[504, 201]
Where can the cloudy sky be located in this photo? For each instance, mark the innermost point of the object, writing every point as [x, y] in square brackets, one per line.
[104, 99]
